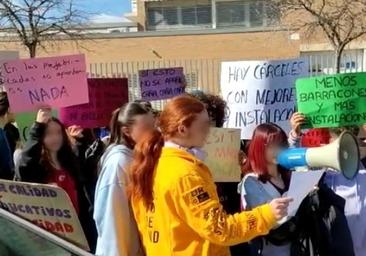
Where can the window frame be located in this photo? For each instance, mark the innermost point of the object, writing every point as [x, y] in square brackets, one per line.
[179, 24]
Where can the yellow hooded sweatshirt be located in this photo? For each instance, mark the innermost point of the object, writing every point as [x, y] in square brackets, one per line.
[187, 218]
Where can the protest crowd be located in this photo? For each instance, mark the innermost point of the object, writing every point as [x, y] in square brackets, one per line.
[143, 181]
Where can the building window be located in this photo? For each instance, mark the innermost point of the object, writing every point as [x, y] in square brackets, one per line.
[179, 17]
[249, 14]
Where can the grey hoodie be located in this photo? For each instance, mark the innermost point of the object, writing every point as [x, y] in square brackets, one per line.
[116, 226]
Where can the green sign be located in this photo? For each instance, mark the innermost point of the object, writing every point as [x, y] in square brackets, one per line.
[332, 101]
[24, 122]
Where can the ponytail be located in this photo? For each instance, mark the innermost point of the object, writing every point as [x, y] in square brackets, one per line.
[146, 155]
[114, 127]
[125, 117]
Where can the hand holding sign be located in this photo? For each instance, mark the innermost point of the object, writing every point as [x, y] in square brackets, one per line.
[75, 131]
[279, 207]
[297, 119]
[44, 115]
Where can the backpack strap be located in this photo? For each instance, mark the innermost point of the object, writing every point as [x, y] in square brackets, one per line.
[363, 161]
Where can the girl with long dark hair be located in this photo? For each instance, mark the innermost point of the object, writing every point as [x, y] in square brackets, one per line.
[48, 157]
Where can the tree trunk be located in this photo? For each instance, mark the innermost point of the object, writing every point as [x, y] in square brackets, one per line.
[338, 56]
[32, 48]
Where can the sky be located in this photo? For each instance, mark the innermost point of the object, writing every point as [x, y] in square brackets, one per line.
[105, 10]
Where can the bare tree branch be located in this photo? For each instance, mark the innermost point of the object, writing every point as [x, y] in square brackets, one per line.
[36, 21]
[342, 21]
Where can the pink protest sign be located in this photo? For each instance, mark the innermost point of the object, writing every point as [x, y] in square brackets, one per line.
[105, 95]
[57, 81]
[158, 84]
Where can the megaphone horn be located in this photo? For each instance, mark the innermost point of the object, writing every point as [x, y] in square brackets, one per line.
[342, 155]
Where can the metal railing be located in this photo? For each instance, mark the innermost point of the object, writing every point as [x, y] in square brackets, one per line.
[204, 74]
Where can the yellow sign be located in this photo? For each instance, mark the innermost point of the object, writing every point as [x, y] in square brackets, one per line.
[222, 148]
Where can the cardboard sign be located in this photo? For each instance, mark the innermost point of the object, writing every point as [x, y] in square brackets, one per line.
[22, 238]
[49, 207]
[25, 121]
[159, 84]
[333, 101]
[222, 148]
[56, 81]
[105, 95]
[260, 92]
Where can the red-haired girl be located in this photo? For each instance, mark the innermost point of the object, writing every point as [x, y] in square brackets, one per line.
[265, 179]
[173, 195]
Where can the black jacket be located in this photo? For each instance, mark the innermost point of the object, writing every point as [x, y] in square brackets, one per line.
[6, 159]
[321, 220]
[30, 167]
[31, 170]
[319, 228]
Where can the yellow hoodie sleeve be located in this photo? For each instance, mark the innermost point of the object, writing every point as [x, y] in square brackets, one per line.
[197, 203]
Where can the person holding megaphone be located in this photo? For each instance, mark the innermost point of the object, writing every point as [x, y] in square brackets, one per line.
[319, 226]
[264, 179]
[352, 189]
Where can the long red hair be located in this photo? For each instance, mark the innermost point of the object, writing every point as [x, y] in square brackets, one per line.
[264, 135]
[181, 110]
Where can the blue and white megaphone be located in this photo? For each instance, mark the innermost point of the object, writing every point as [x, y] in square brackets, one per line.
[342, 155]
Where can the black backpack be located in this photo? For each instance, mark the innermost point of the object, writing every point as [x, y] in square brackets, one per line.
[319, 228]
[322, 223]
[92, 157]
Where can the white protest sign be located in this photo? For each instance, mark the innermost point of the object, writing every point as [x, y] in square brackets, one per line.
[222, 148]
[260, 92]
[49, 207]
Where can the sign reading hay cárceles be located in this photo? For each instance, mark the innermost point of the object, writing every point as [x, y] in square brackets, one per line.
[48, 207]
[222, 148]
[333, 101]
[259, 92]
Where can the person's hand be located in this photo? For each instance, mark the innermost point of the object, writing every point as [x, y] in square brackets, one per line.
[242, 158]
[44, 115]
[75, 131]
[279, 207]
[297, 119]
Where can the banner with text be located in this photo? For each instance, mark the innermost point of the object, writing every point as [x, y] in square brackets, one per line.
[222, 148]
[25, 121]
[332, 101]
[56, 81]
[159, 84]
[49, 207]
[105, 95]
[260, 92]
